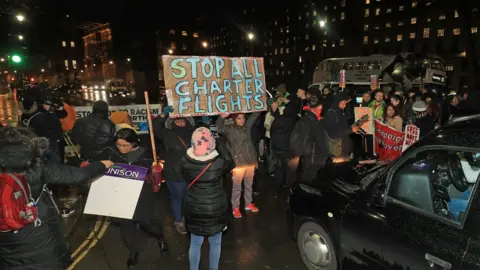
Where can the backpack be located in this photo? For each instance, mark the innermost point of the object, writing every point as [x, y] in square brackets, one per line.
[17, 207]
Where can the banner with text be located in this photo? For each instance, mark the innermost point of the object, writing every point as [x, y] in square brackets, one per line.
[138, 113]
[116, 193]
[209, 85]
[388, 142]
[412, 135]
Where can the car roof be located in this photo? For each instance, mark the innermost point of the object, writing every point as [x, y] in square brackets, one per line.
[463, 132]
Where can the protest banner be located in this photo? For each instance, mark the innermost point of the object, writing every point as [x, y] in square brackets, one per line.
[412, 135]
[341, 82]
[373, 82]
[388, 142]
[198, 86]
[368, 125]
[116, 193]
[138, 113]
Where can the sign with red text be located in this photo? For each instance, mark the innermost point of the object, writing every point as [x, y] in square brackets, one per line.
[210, 85]
[341, 82]
[412, 135]
[373, 82]
[368, 125]
[388, 142]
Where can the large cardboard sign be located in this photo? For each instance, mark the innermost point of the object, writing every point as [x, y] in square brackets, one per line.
[138, 113]
[116, 193]
[198, 85]
[389, 142]
[368, 125]
[412, 135]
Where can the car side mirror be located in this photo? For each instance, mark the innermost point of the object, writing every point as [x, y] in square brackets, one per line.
[379, 196]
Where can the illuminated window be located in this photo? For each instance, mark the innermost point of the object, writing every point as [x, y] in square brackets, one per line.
[72, 44]
[426, 32]
[173, 45]
[387, 39]
[401, 8]
[306, 37]
[388, 25]
[399, 37]
[288, 51]
[389, 10]
[276, 51]
[313, 47]
[184, 47]
[365, 27]
[377, 11]
[64, 44]
[456, 31]
[375, 41]
[172, 31]
[442, 17]
[474, 30]
[412, 35]
[400, 23]
[342, 3]
[184, 33]
[281, 50]
[414, 4]
[66, 63]
[195, 35]
[456, 14]
[333, 44]
[413, 20]
[428, 19]
[449, 68]
[367, 2]
[376, 27]
[307, 14]
[441, 32]
[365, 40]
[334, 19]
[367, 12]
[314, 13]
[74, 64]
[342, 42]
[300, 59]
[342, 16]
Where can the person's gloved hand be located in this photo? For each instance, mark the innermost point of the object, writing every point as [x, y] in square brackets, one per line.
[167, 110]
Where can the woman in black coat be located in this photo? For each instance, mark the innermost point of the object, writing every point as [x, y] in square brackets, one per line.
[42, 247]
[205, 206]
[130, 152]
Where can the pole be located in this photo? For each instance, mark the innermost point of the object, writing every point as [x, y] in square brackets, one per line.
[150, 127]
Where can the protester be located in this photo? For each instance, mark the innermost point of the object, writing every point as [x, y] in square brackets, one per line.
[423, 120]
[433, 107]
[366, 99]
[244, 154]
[43, 246]
[174, 134]
[327, 99]
[338, 128]
[205, 205]
[95, 133]
[280, 132]
[44, 120]
[392, 118]
[308, 140]
[300, 101]
[451, 109]
[378, 105]
[397, 103]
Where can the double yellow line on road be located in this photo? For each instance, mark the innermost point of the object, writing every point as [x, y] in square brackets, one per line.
[99, 229]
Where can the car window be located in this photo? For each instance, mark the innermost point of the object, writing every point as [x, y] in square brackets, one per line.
[437, 181]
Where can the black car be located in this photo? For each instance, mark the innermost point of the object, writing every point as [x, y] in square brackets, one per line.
[422, 211]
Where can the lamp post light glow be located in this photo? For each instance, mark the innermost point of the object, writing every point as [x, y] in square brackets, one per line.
[128, 59]
[322, 23]
[2, 59]
[205, 44]
[20, 37]
[111, 62]
[42, 70]
[250, 36]
[170, 51]
[16, 59]
[20, 17]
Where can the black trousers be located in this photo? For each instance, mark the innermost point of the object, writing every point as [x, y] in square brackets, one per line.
[284, 174]
[130, 230]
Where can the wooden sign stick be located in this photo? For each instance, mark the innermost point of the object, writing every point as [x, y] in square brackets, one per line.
[150, 127]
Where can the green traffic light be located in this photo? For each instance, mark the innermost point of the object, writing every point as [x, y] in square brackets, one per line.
[16, 59]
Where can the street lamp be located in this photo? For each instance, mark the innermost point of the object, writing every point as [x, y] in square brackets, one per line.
[20, 17]
[322, 23]
[43, 70]
[111, 62]
[205, 44]
[20, 37]
[250, 36]
[16, 59]
[2, 59]
[170, 51]
[128, 59]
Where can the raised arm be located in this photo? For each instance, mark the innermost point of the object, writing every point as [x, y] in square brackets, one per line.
[68, 175]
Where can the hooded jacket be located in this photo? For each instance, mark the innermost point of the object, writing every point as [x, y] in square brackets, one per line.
[281, 130]
[175, 140]
[94, 133]
[336, 123]
[42, 247]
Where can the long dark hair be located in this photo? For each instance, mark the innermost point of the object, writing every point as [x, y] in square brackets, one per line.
[129, 135]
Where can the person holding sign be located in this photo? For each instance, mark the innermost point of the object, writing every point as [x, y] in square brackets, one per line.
[129, 152]
[392, 118]
[244, 154]
[205, 204]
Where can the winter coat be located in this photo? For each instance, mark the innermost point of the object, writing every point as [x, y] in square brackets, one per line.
[337, 127]
[143, 158]
[377, 110]
[205, 205]
[43, 247]
[281, 130]
[425, 124]
[94, 134]
[175, 140]
[239, 140]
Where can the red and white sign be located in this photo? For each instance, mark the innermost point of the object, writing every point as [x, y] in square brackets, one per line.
[373, 82]
[389, 142]
[341, 83]
[412, 135]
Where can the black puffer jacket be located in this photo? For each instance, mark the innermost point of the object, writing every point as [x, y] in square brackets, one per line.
[176, 140]
[239, 140]
[205, 205]
[94, 133]
[281, 130]
[43, 247]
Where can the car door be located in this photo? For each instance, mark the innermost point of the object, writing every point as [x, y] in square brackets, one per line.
[416, 235]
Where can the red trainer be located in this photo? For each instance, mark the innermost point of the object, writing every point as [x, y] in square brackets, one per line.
[252, 208]
[237, 213]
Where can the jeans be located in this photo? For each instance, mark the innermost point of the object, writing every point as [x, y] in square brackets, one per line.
[196, 242]
[243, 174]
[177, 191]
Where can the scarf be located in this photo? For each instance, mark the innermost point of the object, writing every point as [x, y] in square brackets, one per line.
[317, 111]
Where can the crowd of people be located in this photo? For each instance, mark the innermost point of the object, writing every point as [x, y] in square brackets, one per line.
[294, 138]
